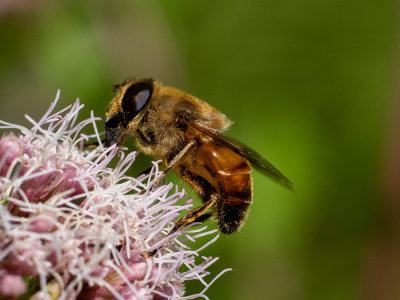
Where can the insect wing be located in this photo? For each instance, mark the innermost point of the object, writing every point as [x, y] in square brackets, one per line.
[240, 148]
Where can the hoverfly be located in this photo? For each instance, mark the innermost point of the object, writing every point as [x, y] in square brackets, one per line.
[187, 134]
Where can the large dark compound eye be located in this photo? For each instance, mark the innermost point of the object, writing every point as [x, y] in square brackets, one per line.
[135, 98]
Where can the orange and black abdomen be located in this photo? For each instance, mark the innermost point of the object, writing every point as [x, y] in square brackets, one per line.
[220, 172]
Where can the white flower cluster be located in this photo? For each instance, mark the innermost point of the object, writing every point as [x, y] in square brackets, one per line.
[78, 228]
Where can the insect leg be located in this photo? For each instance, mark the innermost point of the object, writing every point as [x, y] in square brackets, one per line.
[207, 192]
[193, 215]
[172, 163]
[203, 218]
[94, 144]
[210, 197]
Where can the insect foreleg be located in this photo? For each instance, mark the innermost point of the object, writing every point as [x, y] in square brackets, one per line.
[172, 163]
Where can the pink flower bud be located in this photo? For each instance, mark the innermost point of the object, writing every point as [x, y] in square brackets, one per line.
[12, 286]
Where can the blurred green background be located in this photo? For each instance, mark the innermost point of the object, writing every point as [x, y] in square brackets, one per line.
[311, 85]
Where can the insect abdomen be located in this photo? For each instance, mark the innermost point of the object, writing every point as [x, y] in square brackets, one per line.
[230, 175]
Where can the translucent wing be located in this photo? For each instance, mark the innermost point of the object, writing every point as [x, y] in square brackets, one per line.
[252, 156]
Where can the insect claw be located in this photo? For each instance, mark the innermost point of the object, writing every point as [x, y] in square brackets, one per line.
[93, 144]
[149, 254]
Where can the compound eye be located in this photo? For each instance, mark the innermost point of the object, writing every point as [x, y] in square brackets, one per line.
[135, 98]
